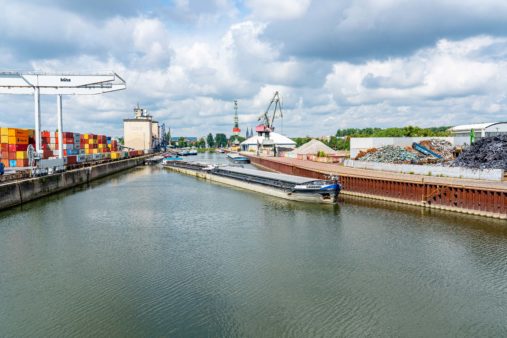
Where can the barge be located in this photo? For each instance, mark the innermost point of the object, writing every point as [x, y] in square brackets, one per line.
[295, 188]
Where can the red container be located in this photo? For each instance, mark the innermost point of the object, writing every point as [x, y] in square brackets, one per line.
[46, 153]
[5, 155]
[45, 134]
[12, 155]
[12, 148]
[72, 159]
[4, 147]
[21, 147]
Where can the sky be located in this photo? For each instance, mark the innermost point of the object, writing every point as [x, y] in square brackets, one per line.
[337, 64]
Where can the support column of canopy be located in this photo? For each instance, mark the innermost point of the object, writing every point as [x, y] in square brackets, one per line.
[36, 97]
[60, 125]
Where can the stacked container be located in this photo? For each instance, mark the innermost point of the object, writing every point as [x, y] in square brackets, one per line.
[14, 144]
[76, 147]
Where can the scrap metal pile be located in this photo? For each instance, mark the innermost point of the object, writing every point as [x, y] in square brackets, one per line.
[388, 154]
[442, 147]
[486, 153]
[397, 154]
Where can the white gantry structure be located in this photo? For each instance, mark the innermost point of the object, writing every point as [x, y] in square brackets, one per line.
[36, 84]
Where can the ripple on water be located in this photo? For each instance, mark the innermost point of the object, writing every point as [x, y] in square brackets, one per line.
[154, 253]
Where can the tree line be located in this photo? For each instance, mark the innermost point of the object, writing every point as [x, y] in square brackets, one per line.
[220, 140]
[341, 140]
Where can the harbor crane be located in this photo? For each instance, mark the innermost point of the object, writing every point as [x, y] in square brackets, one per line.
[37, 83]
[268, 122]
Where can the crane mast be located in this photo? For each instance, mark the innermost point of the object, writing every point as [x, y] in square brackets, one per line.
[269, 122]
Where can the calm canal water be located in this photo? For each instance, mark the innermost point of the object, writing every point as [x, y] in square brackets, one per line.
[154, 253]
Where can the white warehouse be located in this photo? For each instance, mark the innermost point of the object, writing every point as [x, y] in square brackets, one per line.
[480, 129]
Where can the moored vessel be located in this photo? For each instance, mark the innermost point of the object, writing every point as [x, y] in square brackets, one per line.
[289, 187]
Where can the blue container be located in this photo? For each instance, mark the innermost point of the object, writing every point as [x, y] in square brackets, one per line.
[12, 163]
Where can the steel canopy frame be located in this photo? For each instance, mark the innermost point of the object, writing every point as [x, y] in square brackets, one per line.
[38, 83]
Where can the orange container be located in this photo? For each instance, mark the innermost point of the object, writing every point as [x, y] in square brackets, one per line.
[22, 140]
[21, 163]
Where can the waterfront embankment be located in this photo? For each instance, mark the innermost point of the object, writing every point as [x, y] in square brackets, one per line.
[21, 191]
[476, 197]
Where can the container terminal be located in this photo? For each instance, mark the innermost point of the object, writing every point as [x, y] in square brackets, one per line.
[35, 163]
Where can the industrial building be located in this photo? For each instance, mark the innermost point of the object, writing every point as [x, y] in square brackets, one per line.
[141, 132]
[480, 129]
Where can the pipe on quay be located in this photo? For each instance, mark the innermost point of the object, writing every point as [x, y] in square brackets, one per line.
[18, 192]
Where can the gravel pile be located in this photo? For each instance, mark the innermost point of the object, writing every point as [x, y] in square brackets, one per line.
[389, 154]
[486, 153]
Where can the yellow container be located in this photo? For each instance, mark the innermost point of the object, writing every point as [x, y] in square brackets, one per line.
[85, 136]
[12, 132]
[4, 139]
[12, 139]
[95, 151]
[4, 131]
[21, 155]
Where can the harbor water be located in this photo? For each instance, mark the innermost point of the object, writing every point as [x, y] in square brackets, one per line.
[154, 253]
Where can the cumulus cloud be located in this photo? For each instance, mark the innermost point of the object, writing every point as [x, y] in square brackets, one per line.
[278, 10]
[358, 30]
[448, 70]
[353, 63]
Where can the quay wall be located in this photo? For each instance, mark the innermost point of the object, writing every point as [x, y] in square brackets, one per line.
[469, 199]
[18, 192]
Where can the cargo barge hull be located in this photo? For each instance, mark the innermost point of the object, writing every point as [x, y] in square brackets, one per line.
[283, 186]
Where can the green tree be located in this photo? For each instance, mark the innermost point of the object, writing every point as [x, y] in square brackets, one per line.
[201, 143]
[408, 131]
[301, 140]
[210, 140]
[182, 143]
[220, 140]
[239, 138]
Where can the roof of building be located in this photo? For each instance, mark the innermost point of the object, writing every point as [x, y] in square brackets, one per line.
[313, 147]
[468, 127]
[275, 137]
